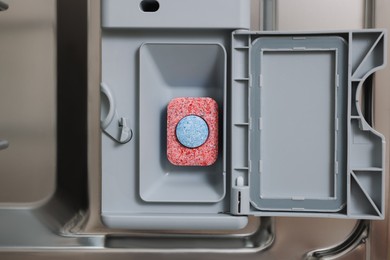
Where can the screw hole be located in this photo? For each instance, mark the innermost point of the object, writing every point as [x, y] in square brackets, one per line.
[149, 6]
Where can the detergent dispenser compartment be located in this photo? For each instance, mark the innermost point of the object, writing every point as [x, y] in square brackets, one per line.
[287, 136]
[168, 71]
[148, 60]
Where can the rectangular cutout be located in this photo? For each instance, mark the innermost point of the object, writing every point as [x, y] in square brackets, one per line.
[296, 99]
[300, 97]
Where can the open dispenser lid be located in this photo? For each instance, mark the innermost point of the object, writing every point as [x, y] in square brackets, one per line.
[300, 144]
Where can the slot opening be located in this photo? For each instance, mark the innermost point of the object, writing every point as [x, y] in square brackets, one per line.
[150, 6]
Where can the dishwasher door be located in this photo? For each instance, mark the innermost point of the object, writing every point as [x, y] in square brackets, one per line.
[50, 111]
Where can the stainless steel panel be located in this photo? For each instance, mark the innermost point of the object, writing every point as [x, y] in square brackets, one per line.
[379, 239]
[320, 15]
[66, 227]
[28, 101]
[287, 15]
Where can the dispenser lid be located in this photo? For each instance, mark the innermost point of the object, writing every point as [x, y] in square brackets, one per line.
[295, 108]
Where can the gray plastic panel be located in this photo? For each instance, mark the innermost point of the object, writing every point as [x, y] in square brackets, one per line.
[300, 144]
[138, 183]
[142, 70]
[174, 14]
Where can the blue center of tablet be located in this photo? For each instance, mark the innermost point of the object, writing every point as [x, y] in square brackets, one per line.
[192, 131]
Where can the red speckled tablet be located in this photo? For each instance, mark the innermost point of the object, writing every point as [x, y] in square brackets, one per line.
[203, 155]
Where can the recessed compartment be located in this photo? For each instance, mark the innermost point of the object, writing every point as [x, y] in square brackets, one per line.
[168, 71]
